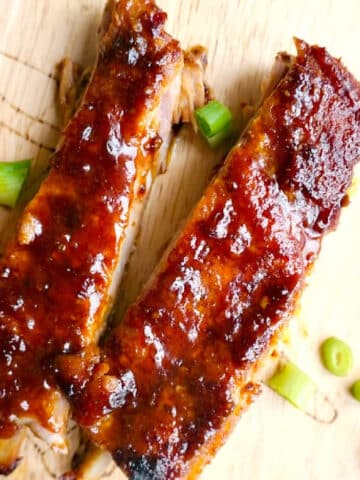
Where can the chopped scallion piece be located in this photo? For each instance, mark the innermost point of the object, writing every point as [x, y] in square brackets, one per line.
[294, 385]
[219, 138]
[12, 178]
[297, 388]
[215, 122]
[336, 356]
[355, 390]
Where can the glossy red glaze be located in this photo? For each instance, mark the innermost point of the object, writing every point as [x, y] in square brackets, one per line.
[166, 384]
[56, 275]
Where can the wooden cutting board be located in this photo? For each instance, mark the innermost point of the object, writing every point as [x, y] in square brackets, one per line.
[273, 441]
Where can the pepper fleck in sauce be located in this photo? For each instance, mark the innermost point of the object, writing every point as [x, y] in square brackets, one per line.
[56, 275]
[171, 375]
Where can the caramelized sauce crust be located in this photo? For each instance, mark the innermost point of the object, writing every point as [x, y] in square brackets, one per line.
[164, 384]
[55, 276]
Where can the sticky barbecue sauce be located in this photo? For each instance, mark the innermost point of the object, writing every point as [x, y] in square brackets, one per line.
[56, 274]
[174, 372]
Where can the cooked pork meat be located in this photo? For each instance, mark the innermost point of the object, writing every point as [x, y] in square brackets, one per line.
[73, 79]
[193, 94]
[59, 274]
[164, 390]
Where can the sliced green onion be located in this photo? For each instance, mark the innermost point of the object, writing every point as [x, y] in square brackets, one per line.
[355, 390]
[12, 178]
[336, 356]
[294, 385]
[220, 137]
[215, 122]
[297, 388]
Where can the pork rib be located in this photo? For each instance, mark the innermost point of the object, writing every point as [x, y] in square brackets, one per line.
[58, 276]
[164, 391]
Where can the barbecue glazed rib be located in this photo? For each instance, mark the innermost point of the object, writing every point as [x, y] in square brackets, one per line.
[58, 276]
[164, 391]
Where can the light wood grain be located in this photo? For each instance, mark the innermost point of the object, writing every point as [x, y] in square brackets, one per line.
[272, 441]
